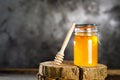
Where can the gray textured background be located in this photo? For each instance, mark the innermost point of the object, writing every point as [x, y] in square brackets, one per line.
[32, 31]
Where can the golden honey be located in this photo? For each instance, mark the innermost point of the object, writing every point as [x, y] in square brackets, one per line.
[86, 45]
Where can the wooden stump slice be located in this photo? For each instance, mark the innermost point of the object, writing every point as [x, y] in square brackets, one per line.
[68, 71]
[98, 72]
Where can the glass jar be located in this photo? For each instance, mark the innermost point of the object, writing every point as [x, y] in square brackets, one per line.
[86, 45]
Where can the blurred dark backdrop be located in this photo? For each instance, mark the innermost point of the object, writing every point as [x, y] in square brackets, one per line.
[32, 31]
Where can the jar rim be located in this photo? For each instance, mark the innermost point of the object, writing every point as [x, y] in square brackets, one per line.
[86, 28]
[79, 25]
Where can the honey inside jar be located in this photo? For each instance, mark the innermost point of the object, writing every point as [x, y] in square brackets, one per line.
[85, 45]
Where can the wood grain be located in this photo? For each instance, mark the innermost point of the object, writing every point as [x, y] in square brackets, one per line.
[68, 71]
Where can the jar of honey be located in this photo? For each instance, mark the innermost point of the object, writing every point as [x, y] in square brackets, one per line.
[86, 45]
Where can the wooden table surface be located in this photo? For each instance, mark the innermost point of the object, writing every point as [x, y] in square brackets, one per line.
[17, 77]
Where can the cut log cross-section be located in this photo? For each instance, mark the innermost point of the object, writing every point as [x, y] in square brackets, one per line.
[68, 71]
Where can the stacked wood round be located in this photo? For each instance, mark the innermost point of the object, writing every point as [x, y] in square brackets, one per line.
[68, 71]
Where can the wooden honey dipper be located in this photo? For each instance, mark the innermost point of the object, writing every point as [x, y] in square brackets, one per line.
[60, 55]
